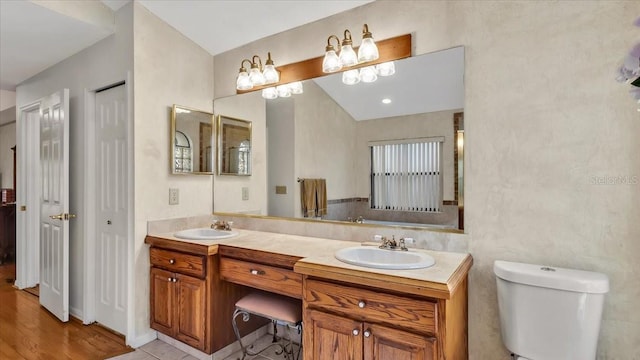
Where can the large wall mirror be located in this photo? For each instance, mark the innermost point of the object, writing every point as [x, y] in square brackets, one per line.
[409, 125]
[191, 147]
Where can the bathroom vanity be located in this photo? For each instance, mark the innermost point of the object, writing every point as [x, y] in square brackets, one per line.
[349, 311]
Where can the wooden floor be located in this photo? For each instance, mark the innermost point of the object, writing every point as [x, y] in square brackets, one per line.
[28, 331]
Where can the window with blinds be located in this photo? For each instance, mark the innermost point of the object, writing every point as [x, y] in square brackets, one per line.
[406, 175]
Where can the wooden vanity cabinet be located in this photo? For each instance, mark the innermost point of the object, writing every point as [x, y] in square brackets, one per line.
[189, 300]
[352, 321]
[178, 298]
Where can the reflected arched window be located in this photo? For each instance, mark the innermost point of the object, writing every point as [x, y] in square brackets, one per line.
[183, 153]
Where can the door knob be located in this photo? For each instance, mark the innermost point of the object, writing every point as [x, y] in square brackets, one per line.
[57, 217]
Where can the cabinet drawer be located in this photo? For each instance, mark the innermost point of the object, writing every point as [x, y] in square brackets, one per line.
[179, 262]
[269, 278]
[376, 307]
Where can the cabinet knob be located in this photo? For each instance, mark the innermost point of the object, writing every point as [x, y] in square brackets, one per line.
[356, 332]
[174, 280]
[361, 304]
[169, 279]
[367, 333]
[171, 261]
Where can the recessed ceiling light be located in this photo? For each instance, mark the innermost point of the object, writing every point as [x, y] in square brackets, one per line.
[386, 101]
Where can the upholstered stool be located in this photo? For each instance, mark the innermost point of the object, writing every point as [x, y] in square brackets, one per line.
[277, 308]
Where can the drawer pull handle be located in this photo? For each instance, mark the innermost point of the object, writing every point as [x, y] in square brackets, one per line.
[367, 333]
[257, 272]
[172, 261]
[356, 332]
[361, 304]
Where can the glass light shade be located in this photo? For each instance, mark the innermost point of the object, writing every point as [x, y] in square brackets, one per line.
[350, 77]
[386, 69]
[331, 62]
[283, 91]
[296, 87]
[243, 82]
[368, 51]
[270, 93]
[348, 57]
[270, 74]
[368, 74]
[256, 77]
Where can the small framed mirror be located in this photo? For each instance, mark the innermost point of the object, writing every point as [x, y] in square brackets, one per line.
[234, 146]
[191, 141]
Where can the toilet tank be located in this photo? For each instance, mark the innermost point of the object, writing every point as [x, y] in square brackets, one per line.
[549, 313]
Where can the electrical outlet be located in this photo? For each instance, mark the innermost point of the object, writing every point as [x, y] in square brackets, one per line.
[174, 196]
[245, 193]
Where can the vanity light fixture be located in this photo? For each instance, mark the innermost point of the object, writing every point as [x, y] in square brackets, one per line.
[368, 51]
[256, 76]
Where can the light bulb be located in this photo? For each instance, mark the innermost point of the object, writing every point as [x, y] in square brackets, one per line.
[348, 57]
[331, 62]
[386, 69]
[243, 82]
[368, 74]
[350, 77]
[256, 76]
[270, 74]
[368, 51]
[283, 91]
[270, 93]
[296, 87]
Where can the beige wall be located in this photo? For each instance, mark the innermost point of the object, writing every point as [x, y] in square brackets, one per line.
[544, 119]
[7, 141]
[168, 69]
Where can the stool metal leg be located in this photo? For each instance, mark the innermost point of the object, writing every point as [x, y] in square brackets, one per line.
[245, 317]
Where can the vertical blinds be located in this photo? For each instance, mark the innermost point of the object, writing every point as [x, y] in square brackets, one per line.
[406, 176]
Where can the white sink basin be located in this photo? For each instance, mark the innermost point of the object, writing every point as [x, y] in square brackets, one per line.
[374, 257]
[204, 234]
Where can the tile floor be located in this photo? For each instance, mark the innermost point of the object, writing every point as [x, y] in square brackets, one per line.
[159, 350]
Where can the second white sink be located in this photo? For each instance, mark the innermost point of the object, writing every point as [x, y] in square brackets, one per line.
[204, 234]
[374, 257]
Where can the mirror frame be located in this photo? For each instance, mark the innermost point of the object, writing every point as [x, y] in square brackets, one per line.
[227, 120]
[172, 141]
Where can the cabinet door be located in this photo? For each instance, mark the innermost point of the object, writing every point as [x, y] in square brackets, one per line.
[383, 343]
[331, 337]
[191, 298]
[162, 301]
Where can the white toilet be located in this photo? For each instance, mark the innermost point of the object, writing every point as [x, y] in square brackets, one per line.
[549, 313]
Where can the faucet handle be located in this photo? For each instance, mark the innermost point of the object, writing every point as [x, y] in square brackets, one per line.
[402, 245]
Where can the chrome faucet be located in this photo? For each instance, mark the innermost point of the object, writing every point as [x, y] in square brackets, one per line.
[221, 225]
[392, 244]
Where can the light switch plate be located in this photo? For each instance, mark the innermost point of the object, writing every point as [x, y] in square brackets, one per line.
[174, 196]
[245, 193]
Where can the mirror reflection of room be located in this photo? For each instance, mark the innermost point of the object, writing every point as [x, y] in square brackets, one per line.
[192, 141]
[235, 146]
[330, 132]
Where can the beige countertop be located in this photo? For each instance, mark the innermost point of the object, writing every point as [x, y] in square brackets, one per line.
[317, 259]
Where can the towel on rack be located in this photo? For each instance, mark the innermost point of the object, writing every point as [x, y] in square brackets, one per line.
[313, 197]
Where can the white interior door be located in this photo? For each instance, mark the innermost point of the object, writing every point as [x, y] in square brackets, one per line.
[54, 204]
[111, 208]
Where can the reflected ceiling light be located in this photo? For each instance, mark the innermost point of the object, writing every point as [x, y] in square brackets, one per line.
[285, 90]
[386, 69]
[347, 57]
[368, 74]
[351, 77]
[257, 76]
[386, 101]
[368, 50]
